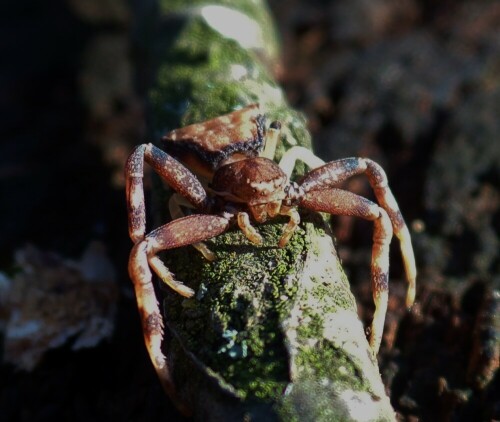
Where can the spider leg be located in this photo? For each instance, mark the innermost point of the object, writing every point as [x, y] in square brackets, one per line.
[336, 172]
[341, 202]
[246, 227]
[181, 232]
[291, 156]
[271, 140]
[174, 173]
[174, 206]
[291, 226]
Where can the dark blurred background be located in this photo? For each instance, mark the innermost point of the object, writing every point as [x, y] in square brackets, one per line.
[413, 84]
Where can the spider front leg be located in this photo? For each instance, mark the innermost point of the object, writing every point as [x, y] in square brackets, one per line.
[174, 173]
[174, 206]
[340, 202]
[334, 173]
[181, 232]
[143, 256]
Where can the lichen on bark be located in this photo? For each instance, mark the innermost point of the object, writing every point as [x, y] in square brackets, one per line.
[271, 333]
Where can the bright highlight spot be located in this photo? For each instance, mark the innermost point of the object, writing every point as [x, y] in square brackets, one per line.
[234, 25]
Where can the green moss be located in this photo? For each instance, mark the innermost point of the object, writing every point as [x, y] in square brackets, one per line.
[313, 328]
[254, 9]
[234, 321]
[345, 372]
[203, 74]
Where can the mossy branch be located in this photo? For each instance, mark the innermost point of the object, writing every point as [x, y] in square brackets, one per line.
[271, 334]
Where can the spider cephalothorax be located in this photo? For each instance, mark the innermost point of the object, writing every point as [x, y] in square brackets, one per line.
[247, 187]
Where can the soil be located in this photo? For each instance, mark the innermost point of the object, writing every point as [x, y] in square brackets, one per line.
[412, 84]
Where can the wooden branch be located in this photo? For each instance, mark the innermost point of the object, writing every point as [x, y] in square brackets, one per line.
[271, 334]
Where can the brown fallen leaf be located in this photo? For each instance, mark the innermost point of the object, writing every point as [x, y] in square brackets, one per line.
[51, 301]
